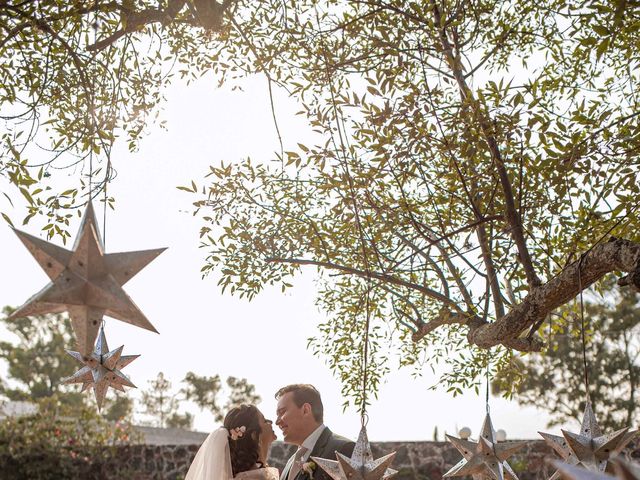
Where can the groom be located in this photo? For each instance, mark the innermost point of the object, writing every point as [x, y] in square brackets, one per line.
[300, 415]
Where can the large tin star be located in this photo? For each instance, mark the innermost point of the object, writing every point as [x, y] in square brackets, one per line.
[86, 282]
[486, 458]
[101, 369]
[623, 471]
[361, 465]
[589, 448]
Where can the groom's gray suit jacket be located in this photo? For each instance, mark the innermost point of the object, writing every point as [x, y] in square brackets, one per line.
[326, 447]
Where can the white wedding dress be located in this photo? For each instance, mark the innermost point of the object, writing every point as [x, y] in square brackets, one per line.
[266, 473]
[213, 462]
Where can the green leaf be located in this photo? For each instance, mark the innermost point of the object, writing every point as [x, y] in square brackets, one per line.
[7, 219]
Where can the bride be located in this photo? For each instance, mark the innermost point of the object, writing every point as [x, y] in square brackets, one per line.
[237, 450]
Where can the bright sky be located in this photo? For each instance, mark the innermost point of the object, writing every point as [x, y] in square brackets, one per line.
[205, 332]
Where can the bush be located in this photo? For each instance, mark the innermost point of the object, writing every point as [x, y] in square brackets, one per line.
[57, 443]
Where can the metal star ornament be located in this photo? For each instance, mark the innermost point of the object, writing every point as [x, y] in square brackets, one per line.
[101, 369]
[589, 448]
[573, 472]
[361, 465]
[486, 458]
[623, 471]
[626, 470]
[86, 282]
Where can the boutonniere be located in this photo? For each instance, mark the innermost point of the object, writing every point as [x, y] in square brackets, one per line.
[308, 468]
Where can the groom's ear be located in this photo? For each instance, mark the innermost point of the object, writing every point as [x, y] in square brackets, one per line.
[306, 408]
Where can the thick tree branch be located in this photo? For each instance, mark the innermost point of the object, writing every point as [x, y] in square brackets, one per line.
[132, 21]
[446, 317]
[206, 14]
[615, 255]
[492, 275]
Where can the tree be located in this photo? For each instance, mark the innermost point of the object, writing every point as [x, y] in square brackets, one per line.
[470, 163]
[161, 404]
[204, 392]
[177, 420]
[240, 391]
[118, 409]
[555, 381]
[472, 166]
[38, 362]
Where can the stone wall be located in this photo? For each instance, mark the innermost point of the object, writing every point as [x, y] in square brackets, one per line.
[414, 460]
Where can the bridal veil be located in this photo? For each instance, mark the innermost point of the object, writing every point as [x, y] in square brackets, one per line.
[213, 460]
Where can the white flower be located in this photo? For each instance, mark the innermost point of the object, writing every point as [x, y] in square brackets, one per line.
[238, 432]
[308, 468]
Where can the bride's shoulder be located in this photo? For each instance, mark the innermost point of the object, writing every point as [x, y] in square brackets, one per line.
[267, 473]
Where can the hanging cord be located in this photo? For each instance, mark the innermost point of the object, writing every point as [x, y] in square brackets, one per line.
[582, 333]
[104, 210]
[95, 25]
[364, 418]
[486, 400]
[92, 106]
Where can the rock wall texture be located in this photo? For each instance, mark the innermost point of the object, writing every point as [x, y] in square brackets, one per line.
[414, 460]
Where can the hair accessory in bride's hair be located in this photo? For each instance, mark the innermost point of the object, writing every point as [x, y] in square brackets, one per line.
[238, 432]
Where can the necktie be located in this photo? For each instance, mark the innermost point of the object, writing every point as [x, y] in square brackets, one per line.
[296, 466]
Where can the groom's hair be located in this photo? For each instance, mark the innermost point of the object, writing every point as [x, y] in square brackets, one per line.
[305, 393]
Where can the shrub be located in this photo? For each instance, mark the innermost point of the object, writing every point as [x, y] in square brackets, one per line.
[57, 443]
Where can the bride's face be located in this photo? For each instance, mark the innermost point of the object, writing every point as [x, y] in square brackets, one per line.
[267, 435]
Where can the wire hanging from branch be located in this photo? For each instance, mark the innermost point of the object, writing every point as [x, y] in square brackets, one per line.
[106, 199]
[365, 354]
[486, 400]
[342, 135]
[92, 106]
[582, 331]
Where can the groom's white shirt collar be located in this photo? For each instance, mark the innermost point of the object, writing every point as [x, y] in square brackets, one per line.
[310, 442]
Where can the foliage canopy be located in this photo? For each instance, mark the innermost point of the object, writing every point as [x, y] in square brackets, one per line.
[469, 164]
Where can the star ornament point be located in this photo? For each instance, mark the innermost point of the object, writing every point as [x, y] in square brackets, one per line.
[361, 465]
[589, 449]
[86, 282]
[623, 469]
[102, 369]
[486, 458]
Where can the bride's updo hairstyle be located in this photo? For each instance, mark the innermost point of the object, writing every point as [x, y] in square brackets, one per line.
[245, 449]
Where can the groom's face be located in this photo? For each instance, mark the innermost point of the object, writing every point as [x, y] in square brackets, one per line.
[295, 422]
